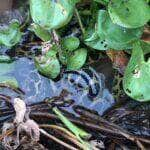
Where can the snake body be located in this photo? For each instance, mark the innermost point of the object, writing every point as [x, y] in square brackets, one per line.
[89, 79]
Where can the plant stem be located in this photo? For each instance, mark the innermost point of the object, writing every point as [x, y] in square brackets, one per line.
[57, 140]
[79, 21]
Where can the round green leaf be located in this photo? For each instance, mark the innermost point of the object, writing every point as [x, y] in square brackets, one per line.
[70, 43]
[136, 82]
[51, 14]
[129, 13]
[116, 36]
[77, 59]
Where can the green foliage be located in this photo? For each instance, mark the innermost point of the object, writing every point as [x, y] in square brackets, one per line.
[103, 2]
[92, 40]
[43, 34]
[77, 59]
[129, 13]
[136, 81]
[11, 35]
[70, 43]
[51, 14]
[48, 64]
[146, 47]
[115, 36]
[5, 58]
[5, 78]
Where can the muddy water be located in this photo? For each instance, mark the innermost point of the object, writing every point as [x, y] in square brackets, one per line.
[37, 87]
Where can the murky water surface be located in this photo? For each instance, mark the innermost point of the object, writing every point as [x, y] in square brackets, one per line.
[38, 87]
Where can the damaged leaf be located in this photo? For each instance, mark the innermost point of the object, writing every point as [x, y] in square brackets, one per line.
[129, 13]
[51, 14]
[136, 81]
[92, 40]
[117, 37]
[48, 64]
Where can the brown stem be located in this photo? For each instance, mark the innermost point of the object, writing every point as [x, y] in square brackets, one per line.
[57, 140]
[67, 134]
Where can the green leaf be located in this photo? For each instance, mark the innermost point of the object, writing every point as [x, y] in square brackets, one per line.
[103, 2]
[117, 37]
[5, 58]
[136, 82]
[43, 34]
[129, 13]
[9, 81]
[63, 56]
[5, 78]
[51, 14]
[70, 43]
[145, 46]
[48, 64]
[77, 59]
[92, 40]
[10, 35]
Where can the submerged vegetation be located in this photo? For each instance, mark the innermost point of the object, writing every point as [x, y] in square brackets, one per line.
[47, 43]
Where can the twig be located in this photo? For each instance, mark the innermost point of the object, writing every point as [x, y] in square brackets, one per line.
[10, 131]
[77, 121]
[140, 145]
[68, 135]
[17, 90]
[58, 128]
[115, 128]
[57, 140]
[5, 97]
[108, 129]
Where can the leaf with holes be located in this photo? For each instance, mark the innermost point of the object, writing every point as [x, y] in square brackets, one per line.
[129, 13]
[116, 36]
[51, 14]
[136, 82]
[92, 40]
